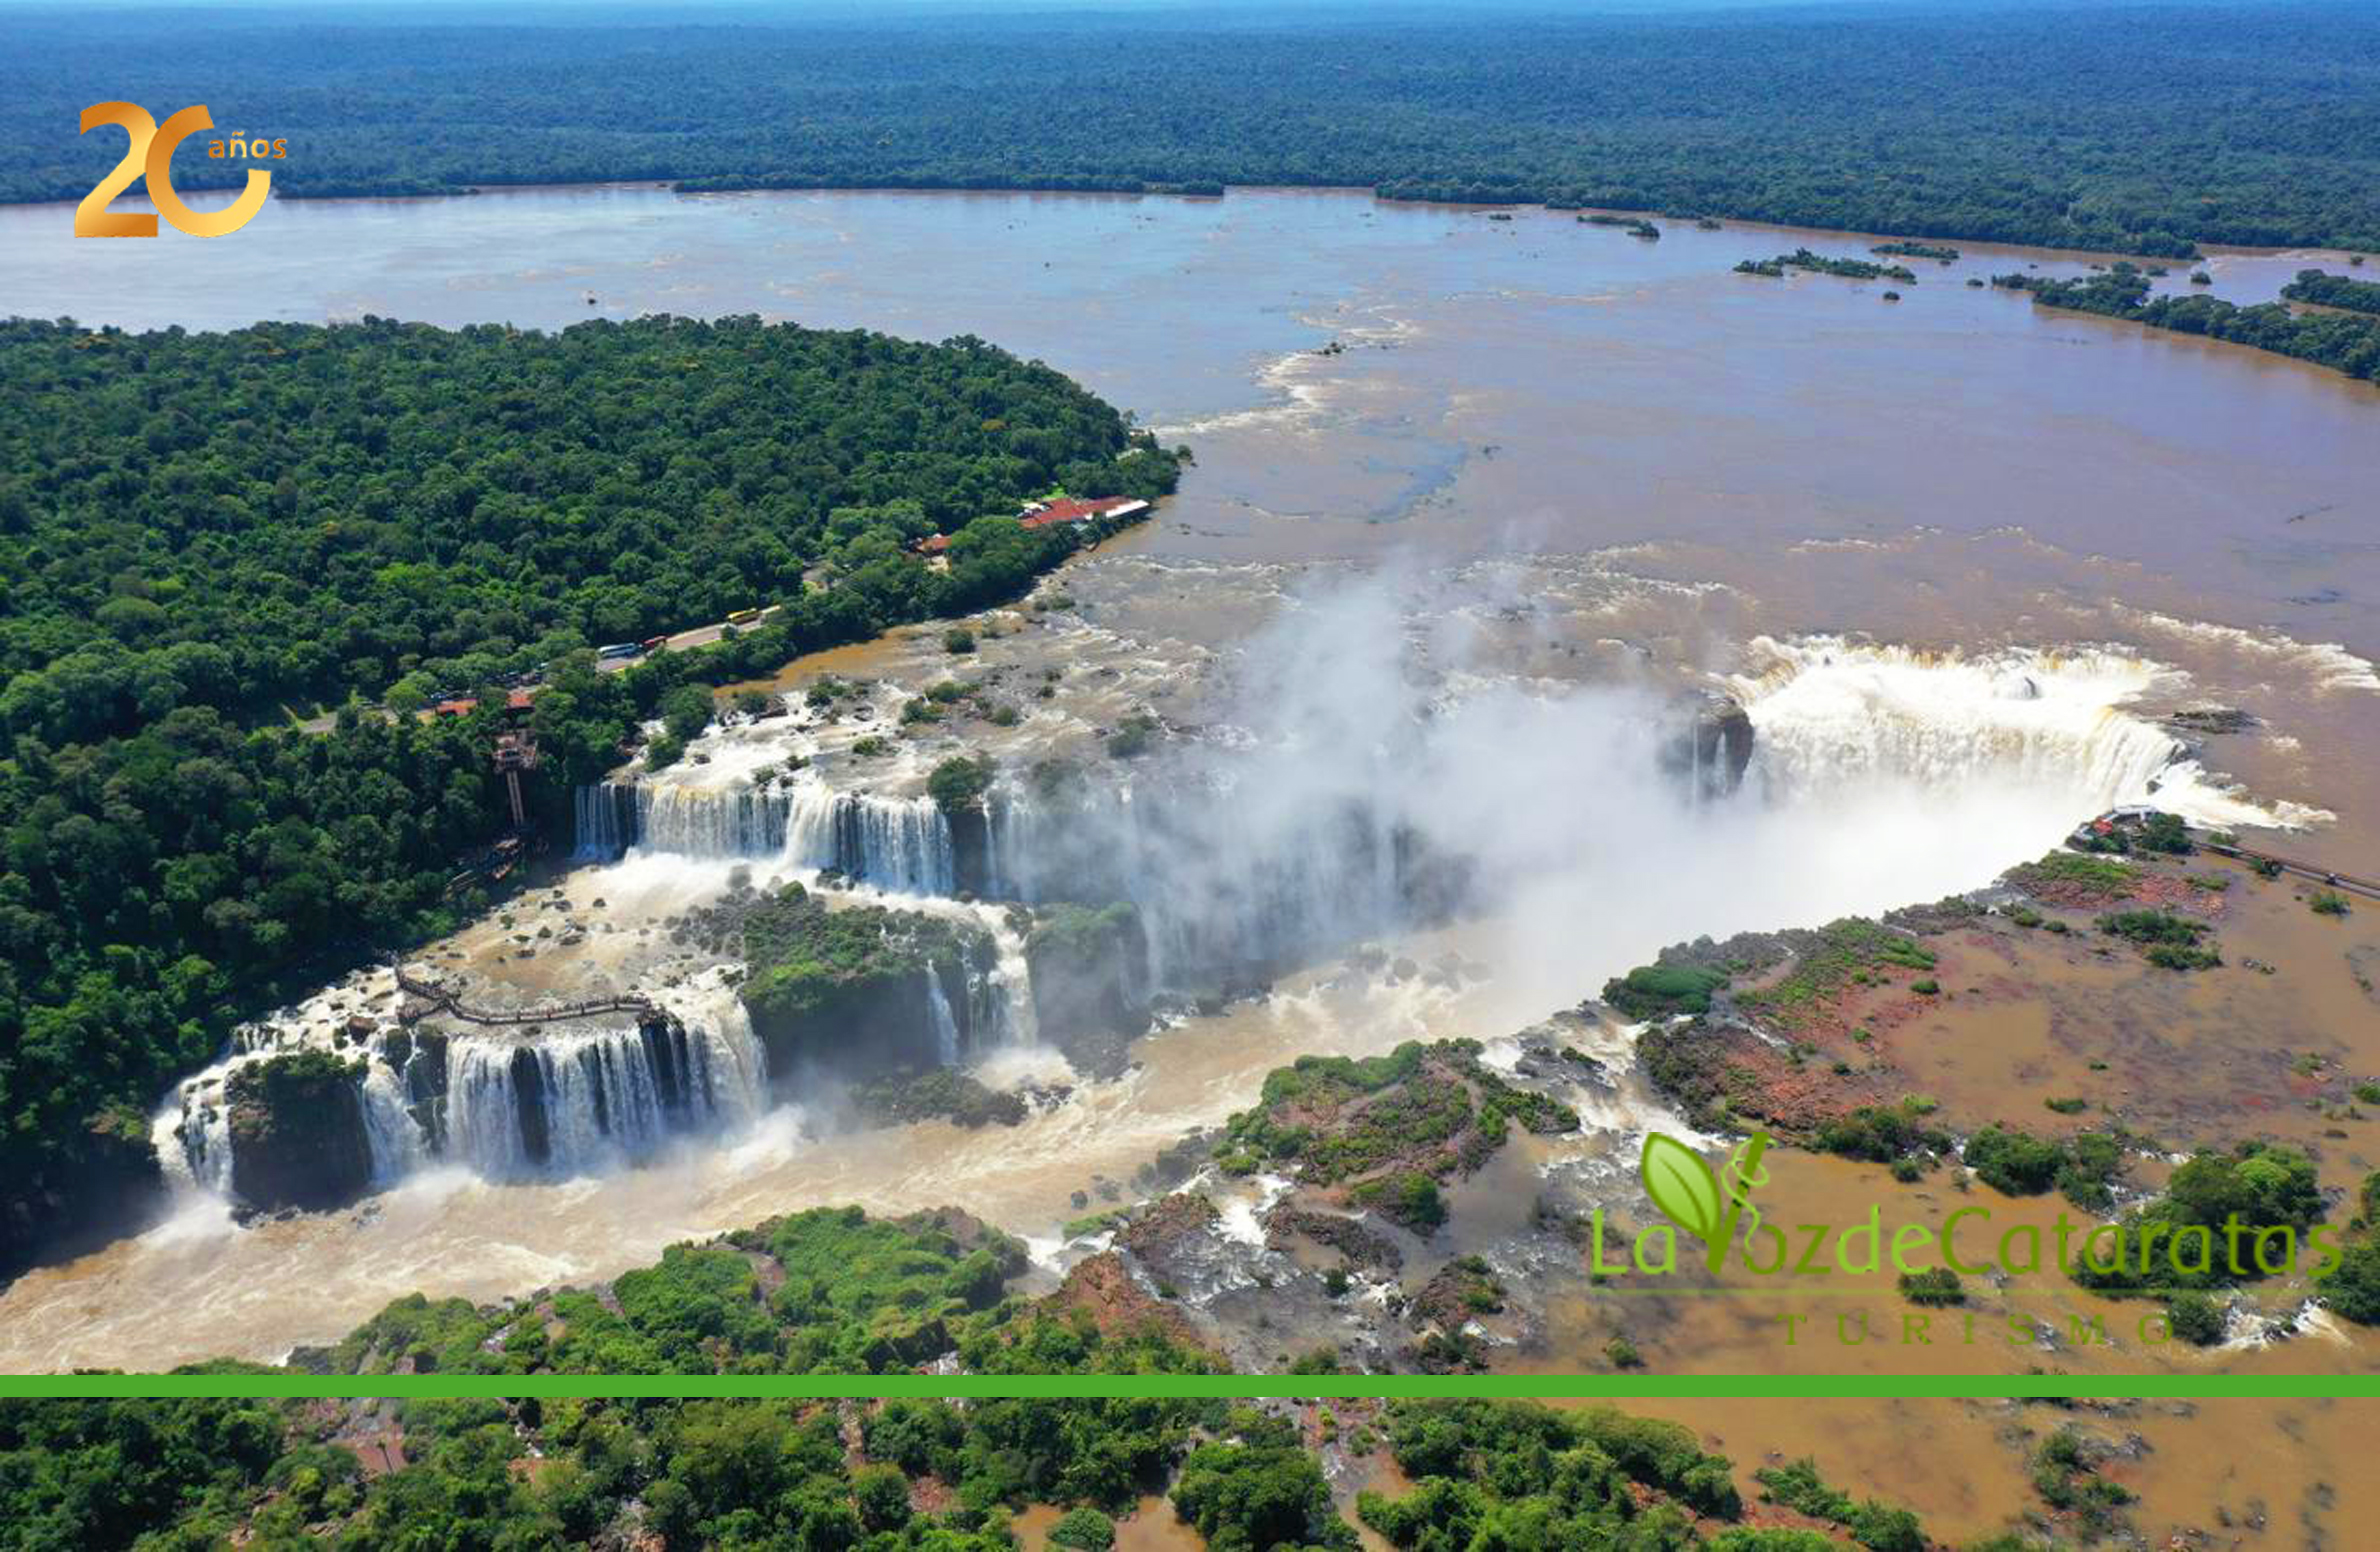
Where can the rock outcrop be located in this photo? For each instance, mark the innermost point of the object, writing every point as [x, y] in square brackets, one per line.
[106, 1180]
[1089, 967]
[297, 1131]
[864, 990]
[1714, 750]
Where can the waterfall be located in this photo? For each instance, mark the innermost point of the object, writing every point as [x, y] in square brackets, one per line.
[564, 1104]
[2050, 726]
[901, 844]
[946, 1024]
[389, 1126]
[1210, 908]
[897, 844]
[602, 828]
[1833, 714]
[192, 1136]
[1010, 985]
[508, 1105]
[1209, 904]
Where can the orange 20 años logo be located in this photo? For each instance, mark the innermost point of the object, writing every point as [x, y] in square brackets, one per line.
[151, 156]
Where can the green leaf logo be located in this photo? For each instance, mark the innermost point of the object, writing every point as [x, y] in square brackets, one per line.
[1682, 1186]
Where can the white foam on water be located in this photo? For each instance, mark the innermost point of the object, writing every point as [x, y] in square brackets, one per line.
[2328, 664]
[2047, 729]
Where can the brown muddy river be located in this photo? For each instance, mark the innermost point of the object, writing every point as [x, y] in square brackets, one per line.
[1655, 460]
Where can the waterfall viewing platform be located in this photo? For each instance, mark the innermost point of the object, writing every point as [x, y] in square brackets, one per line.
[425, 998]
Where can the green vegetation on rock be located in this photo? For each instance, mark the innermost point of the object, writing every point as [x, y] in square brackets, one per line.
[852, 983]
[1388, 1129]
[1661, 990]
[1884, 1134]
[2065, 877]
[1256, 1489]
[296, 1126]
[1938, 252]
[1489, 1473]
[1843, 954]
[1849, 269]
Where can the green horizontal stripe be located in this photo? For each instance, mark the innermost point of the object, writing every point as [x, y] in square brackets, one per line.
[1617, 1387]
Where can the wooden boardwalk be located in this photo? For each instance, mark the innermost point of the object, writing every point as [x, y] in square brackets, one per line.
[2306, 870]
[440, 999]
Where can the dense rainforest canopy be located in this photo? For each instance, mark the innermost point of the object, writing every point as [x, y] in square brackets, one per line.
[197, 531]
[292, 513]
[2146, 129]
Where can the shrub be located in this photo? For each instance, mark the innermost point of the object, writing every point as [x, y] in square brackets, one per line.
[2195, 1318]
[1935, 1287]
[686, 711]
[2327, 902]
[958, 641]
[882, 1495]
[2014, 1163]
[2148, 927]
[2354, 1289]
[1132, 736]
[1085, 1529]
[1881, 1134]
[1411, 1199]
[959, 783]
[1661, 990]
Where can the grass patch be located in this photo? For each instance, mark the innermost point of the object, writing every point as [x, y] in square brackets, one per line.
[1850, 952]
[2074, 874]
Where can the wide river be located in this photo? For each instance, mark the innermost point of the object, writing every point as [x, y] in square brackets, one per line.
[1364, 384]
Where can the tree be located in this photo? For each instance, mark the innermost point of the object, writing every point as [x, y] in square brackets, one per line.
[882, 1495]
[959, 783]
[686, 711]
[1255, 1496]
